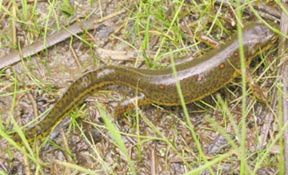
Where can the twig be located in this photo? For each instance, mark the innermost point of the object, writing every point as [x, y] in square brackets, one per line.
[284, 72]
[285, 113]
[53, 39]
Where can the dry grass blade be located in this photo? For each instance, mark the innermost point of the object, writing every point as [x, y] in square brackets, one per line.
[284, 72]
[56, 38]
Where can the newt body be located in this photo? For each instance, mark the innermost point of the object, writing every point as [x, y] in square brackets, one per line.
[198, 78]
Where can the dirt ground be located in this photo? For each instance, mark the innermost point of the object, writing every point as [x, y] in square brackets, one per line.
[158, 140]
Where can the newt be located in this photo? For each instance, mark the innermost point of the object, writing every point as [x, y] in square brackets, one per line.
[198, 78]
